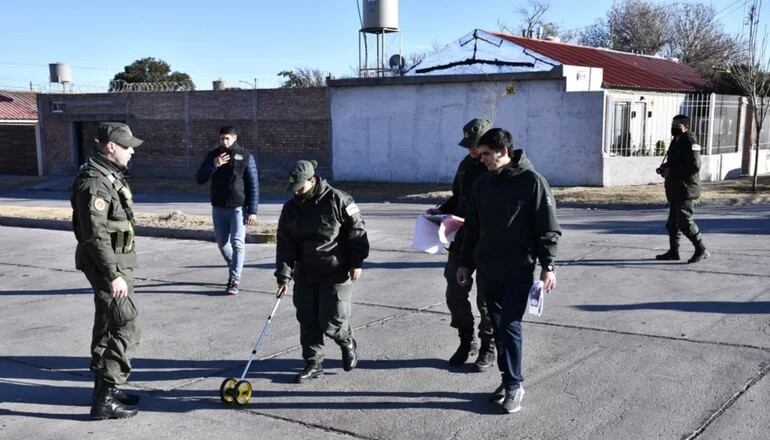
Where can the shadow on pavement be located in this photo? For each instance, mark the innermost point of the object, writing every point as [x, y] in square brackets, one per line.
[726, 307]
[144, 288]
[726, 225]
[15, 387]
[629, 262]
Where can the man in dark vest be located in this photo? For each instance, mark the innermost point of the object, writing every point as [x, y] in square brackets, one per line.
[234, 198]
[103, 222]
[682, 183]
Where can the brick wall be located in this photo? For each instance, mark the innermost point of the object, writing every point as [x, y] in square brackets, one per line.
[279, 126]
[18, 151]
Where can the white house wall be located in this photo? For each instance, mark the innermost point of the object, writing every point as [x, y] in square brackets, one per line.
[409, 133]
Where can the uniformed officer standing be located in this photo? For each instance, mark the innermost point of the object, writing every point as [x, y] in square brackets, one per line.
[321, 244]
[511, 223]
[682, 183]
[103, 222]
[457, 295]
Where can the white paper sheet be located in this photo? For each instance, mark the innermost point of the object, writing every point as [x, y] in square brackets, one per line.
[432, 233]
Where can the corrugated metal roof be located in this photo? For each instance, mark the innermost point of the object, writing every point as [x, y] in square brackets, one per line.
[18, 105]
[621, 69]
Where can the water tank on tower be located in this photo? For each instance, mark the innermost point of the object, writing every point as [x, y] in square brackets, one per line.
[60, 73]
[379, 16]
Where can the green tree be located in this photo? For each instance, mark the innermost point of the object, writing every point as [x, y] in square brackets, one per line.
[303, 77]
[151, 70]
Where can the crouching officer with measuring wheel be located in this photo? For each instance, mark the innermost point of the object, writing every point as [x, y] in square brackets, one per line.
[321, 245]
[103, 222]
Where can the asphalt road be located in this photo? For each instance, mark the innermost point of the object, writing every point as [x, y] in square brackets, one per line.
[627, 347]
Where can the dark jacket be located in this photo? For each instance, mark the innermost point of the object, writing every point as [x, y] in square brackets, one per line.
[234, 184]
[321, 237]
[102, 218]
[467, 173]
[511, 222]
[683, 163]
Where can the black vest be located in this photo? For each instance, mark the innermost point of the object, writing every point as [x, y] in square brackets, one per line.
[227, 186]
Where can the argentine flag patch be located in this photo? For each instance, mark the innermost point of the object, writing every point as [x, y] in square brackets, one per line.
[352, 209]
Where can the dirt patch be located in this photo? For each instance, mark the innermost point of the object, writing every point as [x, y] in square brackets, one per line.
[172, 220]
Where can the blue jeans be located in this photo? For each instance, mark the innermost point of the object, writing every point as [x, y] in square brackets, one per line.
[507, 301]
[230, 233]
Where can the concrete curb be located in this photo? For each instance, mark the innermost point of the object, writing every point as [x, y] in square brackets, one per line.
[142, 231]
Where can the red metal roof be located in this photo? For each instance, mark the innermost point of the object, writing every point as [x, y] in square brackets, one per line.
[18, 105]
[621, 69]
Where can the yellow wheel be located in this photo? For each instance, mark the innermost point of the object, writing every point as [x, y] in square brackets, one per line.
[242, 392]
[227, 390]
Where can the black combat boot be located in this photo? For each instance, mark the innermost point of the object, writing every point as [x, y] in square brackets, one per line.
[120, 395]
[312, 370]
[673, 252]
[349, 355]
[467, 348]
[701, 253]
[106, 406]
[487, 355]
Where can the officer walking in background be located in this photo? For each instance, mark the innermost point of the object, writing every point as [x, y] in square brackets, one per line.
[234, 198]
[457, 299]
[322, 244]
[682, 182]
[511, 224]
[103, 222]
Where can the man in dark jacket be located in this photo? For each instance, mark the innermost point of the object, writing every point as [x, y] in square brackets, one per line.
[322, 245]
[457, 295]
[682, 182]
[103, 222]
[234, 198]
[511, 224]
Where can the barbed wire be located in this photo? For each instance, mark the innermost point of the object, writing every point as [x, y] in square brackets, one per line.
[120, 86]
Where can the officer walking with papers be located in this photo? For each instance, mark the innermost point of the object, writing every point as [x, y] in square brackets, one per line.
[457, 296]
[510, 224]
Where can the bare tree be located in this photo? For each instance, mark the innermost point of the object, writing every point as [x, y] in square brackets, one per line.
[752, 75]
[638, 26]
[531, 18]
[596, 35]
[697, 39]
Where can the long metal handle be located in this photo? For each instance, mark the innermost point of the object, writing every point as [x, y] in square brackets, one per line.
[261, 335]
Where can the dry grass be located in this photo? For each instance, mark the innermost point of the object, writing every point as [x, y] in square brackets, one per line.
[173, 220]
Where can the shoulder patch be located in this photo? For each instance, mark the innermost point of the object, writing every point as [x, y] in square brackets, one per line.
[238, 157]
[99, 204]
[352, 209]
[695, 147]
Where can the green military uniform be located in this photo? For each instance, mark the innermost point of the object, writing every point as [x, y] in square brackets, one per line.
[321, 237]
[682, 189]
[103, 221]
[457, 296]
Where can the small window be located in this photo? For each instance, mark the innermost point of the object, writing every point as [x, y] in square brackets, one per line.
[57, 107]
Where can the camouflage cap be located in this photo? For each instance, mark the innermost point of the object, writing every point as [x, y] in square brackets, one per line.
[473, 130]
[117, 132]
[302, 171]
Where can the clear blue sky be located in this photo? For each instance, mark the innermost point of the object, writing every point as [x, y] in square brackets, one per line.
[242, 40]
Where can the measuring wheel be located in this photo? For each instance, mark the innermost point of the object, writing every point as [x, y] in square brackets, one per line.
[227, 391]
[242, 392]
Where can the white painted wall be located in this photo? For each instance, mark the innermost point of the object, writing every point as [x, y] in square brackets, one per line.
[720, 166]
[620, 171]
[409, 133]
